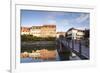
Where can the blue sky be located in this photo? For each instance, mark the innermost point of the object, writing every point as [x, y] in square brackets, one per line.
[63, 20]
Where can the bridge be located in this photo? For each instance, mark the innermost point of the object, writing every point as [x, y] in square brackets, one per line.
[68, 50]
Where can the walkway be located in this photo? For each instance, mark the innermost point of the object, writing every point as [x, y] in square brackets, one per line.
[73, 56]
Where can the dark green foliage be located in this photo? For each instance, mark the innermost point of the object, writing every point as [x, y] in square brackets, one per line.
[34, 38]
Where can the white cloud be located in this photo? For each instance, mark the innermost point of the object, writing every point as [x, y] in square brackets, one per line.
[82, 18]
[82, 28]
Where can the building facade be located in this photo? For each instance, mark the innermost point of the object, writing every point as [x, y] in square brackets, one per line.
[35, 31]
[25, 30]
[58, 34]
[75, 34]
[40, 31]
[48, 31]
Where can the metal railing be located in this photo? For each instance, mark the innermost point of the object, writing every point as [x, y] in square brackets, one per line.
[79, 47]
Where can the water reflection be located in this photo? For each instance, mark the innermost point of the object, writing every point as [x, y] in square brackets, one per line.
[39, 56]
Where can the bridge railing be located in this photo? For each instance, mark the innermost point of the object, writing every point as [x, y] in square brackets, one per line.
[63, 50]
[80, 47]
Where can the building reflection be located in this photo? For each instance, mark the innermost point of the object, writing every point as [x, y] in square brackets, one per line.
[43, 54]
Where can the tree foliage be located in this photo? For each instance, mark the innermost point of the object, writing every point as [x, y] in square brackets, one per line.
[34, 38]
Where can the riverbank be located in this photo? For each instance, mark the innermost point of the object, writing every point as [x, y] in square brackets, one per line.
[37, 45]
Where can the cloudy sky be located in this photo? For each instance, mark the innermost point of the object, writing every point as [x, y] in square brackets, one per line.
[63, 20]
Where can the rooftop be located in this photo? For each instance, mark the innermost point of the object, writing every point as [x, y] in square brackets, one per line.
[75, 29]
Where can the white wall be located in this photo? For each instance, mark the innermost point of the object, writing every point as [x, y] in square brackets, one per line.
[5, 36]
